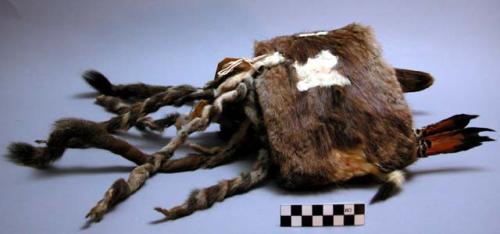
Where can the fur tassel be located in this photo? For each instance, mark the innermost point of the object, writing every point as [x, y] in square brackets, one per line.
[390, 187]
[99, 82]
[37, 157]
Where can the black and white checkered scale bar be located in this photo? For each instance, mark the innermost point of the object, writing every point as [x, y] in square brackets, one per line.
[322, 215]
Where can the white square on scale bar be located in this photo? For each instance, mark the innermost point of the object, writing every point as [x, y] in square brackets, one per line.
[359, 219]
[317, 221]
[307, 210]
[338, 220]
[296, 221]
[286, 210]
[328, 209]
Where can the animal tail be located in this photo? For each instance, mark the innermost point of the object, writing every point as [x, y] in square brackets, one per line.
[99, 82]
[413, 81]
[449, 136]
[71, 133]
[125, 91]
[392, 185]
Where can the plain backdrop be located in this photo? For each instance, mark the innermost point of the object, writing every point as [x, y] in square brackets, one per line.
[46, 45]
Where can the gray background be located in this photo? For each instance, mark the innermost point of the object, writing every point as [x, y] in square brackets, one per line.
[45, 45]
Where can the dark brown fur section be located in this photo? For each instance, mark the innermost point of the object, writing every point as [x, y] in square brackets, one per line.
[38, 157]
[128, 91]
[304, 127]
[413, 81]
[187, 163]
[73, 133]
[112, 104]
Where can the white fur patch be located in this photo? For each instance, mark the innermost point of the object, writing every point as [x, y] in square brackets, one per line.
[397, 177]
[268, 60]
[319, 71]
[229, 67]
[313, 34]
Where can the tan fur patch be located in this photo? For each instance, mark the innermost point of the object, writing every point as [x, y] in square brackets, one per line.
[349, 164]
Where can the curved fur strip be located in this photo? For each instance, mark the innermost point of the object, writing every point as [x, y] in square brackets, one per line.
[205, 198]
[176, 96]
[73, 133]
[141, 173]
[112, 104]
[127, 91]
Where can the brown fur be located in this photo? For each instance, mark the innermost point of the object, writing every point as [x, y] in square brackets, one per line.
[368, 119]
[318, 137]
[129, 91]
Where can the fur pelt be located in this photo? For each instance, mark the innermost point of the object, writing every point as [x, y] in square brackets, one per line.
[331, 134]
[321, 108]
